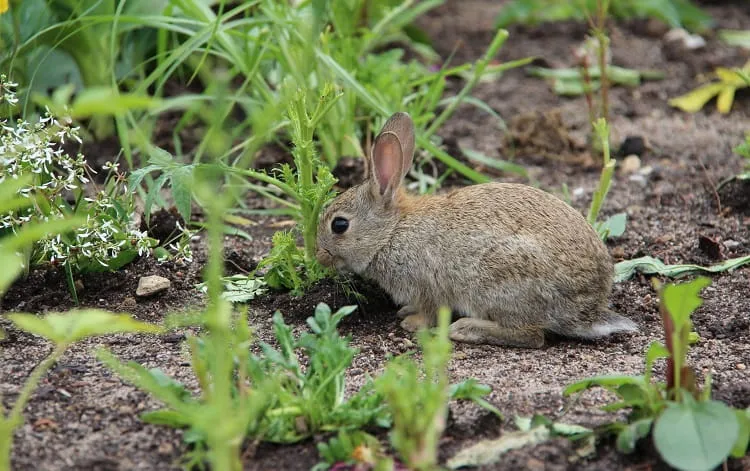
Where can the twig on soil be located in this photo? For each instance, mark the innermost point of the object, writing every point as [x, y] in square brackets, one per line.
[712, 185]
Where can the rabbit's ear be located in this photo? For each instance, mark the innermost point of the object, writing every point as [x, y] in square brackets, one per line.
[402, 126]
[387, 165]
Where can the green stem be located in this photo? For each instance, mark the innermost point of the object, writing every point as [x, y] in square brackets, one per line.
[265, 178]
[500, 37]
[451, 162]
[605, 180]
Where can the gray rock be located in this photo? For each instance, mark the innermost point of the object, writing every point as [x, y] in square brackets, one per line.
[151, 285]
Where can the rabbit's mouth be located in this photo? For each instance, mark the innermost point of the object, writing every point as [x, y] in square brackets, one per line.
[325, 257]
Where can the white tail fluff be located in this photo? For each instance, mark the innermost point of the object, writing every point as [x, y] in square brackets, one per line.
[611, 323]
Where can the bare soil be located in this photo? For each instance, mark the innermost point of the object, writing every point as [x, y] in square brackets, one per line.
[84, 417]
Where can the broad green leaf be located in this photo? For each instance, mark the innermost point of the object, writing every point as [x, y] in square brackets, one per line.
[614, 226]
[609, 381]
[652, 266]
[740, 446]
[631, 433]
[104, 101]
[72, 326]
[182, 184]
[693, 101]
[13, 264]
[696, 435]
[682, 299]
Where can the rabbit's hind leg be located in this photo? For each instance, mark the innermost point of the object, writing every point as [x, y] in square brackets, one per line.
[482, 331]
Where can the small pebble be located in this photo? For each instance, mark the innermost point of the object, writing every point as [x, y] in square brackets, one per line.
[731, 244]
[741, 366]
[630, 164]
[150, 285]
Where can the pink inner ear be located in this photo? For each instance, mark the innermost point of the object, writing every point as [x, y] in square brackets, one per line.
[387, 160]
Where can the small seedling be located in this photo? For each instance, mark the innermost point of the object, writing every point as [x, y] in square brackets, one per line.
[689, 430]
[729, 81]
[614, 226]
[419, 406]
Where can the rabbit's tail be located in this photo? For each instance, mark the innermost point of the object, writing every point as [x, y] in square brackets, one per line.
[610, 322]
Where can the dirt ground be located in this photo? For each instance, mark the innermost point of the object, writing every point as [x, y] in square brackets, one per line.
[84, 417]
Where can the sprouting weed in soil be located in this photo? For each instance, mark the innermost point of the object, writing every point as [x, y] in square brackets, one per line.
[724, 89]
[62, 330]
[615, 225]
[689, 430]
[219, 359]
[743, 150]
[418, 397]
[675, 13]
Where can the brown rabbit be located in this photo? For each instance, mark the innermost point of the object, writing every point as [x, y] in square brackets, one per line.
[514, 260]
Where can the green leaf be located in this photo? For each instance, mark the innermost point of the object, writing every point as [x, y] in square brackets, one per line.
[652, 266]
[696, 435]
[740, 446]
[182, 183]
[607, 381]
[735, 37]
[613, 226]
[631, 433]
[72, 326]
[472, 390]
[497, 164]
[693, 101]
[169, 418]
[105, 101]
[681, 300]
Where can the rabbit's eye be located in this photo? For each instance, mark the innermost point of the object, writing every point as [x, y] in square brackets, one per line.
[339, 225]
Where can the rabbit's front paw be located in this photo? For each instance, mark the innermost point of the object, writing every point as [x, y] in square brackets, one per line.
[415, 322]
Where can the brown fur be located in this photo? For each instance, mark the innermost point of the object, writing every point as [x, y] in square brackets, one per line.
[515, 260]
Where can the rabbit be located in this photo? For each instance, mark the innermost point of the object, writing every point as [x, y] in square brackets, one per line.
[513, 260]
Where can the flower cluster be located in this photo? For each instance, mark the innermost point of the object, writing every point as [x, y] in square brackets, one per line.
[108, 237]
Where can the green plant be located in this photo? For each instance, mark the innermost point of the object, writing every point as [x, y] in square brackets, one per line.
[307, 187]
[730, 80]
[106, 240]
[614, 225]
[358, 449]
[570, 82]
[653, 266]
[63, 330]
[735, 37]
[743, 150]
[418, 397]
[219, 360]
[675, 13]
[72, 45]
[689, 430]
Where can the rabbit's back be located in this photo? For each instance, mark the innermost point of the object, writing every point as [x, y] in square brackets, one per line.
[498, 244]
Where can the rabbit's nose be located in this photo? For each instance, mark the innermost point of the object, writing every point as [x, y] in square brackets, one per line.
[324, 257]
